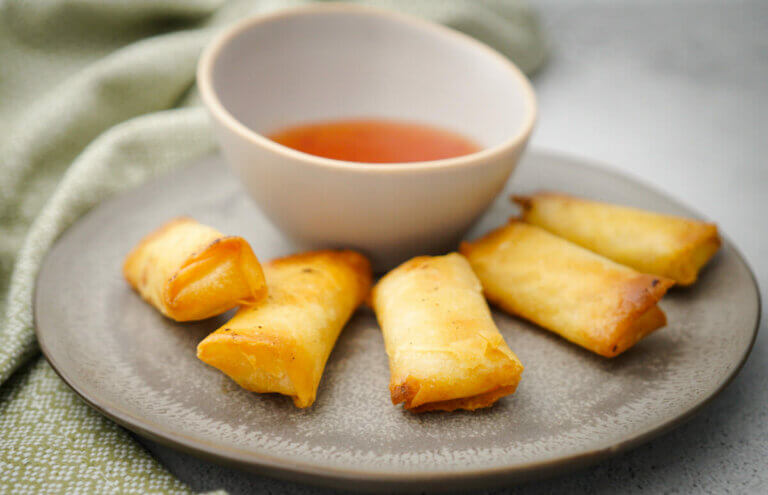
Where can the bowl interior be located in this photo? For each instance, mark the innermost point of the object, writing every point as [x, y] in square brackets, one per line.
[324, 64]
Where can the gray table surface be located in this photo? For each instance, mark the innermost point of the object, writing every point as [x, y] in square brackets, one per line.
[676, 93]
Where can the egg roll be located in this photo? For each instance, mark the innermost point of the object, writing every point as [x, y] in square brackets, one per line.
[282, 343]
[664, 245]
[588, 299]
[190, 271]
[444, 349]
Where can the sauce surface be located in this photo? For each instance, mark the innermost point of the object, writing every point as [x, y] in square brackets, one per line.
[375, 141]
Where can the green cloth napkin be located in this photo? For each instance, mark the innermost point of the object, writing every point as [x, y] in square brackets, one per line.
[97, 96]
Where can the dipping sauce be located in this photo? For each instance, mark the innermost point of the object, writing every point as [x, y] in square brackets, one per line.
[375, 141]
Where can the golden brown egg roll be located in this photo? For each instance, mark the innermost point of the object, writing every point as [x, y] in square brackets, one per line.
[281, 344]
[444, 349]
[664, 245]
[586, 298]
[190, 271]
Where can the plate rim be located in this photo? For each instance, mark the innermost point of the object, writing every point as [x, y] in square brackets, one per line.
[371, 480]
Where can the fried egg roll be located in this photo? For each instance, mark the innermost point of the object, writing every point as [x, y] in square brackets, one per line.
[586, 298]
[444, 349]
[281, 344]
[190, 271]
[664, 245]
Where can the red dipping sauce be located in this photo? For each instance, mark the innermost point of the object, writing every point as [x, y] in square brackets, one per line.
[375, 141]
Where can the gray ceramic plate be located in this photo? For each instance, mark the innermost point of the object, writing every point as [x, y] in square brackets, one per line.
[572, 408]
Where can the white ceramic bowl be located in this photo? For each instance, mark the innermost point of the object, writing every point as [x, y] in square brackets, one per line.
[333, 61]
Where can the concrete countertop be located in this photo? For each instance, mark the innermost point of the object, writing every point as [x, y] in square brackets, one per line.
[676, 94]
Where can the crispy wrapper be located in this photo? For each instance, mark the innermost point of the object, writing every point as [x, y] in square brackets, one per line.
[444, 349]
[664, 245]
[590, 300]
[190, 271]
[282, 343]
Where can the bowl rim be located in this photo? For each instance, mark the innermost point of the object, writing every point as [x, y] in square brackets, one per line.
[219, 111]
